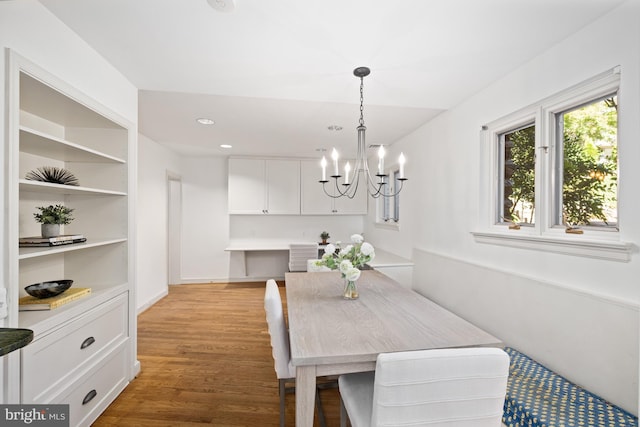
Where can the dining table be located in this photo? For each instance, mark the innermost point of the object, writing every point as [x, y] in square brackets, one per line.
[330, 335]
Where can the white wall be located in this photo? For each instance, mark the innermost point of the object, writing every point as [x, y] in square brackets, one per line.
[154, 162]
[207, 228]
[443, 210]
[205, 232]
[30, 30]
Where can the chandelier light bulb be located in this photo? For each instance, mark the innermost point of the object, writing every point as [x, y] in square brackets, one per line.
[334, 156]
[381, 160]
[323, 163]
[347, 169]
[401, 162]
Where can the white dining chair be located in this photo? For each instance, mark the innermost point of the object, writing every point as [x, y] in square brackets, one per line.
[463, 387]
[299, 253]
[285, 371]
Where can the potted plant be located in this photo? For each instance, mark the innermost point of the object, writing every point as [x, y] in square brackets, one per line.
[51, 217]
[324, 236]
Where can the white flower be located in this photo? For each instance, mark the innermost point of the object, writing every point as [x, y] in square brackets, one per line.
[352, 274]
[367, 249]
[346, 250]
[345, 265]
[355, 254]
[357, 238]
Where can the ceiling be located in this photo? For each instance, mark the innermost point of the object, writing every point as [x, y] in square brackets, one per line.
[274, 75]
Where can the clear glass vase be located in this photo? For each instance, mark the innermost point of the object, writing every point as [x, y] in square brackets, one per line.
[350, 289]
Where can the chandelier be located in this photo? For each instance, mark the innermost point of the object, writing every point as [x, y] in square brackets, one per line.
[376, 185]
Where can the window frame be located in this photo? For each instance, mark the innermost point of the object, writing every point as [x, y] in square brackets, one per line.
[391, 203]
[545, 235]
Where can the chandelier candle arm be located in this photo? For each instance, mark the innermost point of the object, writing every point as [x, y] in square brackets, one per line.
[401, 161]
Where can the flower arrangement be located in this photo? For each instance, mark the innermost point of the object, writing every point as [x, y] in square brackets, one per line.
[348, 259]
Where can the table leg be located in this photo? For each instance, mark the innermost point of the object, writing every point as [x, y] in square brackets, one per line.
[305, 395]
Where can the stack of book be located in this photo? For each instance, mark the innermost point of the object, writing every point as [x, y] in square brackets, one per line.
[65, 239]
[29, 303]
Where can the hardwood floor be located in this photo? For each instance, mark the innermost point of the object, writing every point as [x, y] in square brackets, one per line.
[206, 359]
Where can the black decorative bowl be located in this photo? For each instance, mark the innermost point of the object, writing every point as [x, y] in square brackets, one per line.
[48, 289]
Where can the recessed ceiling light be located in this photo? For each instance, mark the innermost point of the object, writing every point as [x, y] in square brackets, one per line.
[225, 146]
[205, 121]
[222, 5]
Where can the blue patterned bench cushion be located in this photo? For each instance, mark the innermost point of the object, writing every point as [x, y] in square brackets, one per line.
[538, 397]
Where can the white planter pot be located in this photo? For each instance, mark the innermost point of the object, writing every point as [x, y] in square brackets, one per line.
[50, 230]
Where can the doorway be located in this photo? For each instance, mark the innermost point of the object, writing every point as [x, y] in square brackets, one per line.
[174, 232]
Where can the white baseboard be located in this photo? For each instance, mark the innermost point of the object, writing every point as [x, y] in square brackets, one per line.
[152, 301]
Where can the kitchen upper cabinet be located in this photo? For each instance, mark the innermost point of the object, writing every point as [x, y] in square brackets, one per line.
[314, 201]
[264, 186]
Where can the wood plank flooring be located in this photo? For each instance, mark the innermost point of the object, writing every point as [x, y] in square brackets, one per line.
[206, 360]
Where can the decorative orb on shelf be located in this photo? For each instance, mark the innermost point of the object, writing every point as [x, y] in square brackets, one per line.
[48, 289]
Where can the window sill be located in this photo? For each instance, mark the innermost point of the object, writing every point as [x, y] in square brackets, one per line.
[600, 249]
[388, 225]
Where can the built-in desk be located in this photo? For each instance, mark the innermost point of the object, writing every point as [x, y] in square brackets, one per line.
[398, 268]
[241, 247]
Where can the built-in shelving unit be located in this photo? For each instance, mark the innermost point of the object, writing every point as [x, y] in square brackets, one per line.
[53, 124]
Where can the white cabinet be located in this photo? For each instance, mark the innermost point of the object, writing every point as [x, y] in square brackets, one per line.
[264, 186]
[314, 200]
[82, 342]
[52, 124]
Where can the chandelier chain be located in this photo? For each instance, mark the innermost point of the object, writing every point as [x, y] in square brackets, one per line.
[361, 101]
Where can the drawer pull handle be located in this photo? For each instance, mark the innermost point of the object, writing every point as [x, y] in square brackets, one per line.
[89, 397]
[86, 343]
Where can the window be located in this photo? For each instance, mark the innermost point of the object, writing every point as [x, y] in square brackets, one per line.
[588, 164]
[517, 170]
[552, 173]
[389, 205]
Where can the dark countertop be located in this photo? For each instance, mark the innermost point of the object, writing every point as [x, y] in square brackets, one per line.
[13, 339]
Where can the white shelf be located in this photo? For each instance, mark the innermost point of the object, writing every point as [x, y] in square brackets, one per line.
[36, 142]
[41, 321]
[47, 187]
[25, 253]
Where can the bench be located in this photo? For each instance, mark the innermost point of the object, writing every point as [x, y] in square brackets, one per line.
[538, 397]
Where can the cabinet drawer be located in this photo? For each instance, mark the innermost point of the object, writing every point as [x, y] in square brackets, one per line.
[91, 395]
[52, 362]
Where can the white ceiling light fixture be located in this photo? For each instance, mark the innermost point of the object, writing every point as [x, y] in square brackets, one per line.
[376, 185]
[226, 146]
[222, 5]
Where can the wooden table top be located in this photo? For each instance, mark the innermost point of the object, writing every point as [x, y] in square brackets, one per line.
[326, 329]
